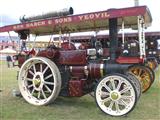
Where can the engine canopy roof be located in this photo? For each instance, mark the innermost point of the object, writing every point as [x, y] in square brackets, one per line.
[84, 22]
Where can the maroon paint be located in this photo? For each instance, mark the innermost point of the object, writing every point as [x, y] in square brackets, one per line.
[78, 71]
[129, 60]
[76, 87]
[73, 57]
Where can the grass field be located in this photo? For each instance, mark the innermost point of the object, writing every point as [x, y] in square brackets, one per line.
[83, 108]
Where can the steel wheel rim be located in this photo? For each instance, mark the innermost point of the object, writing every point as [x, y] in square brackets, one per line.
[34, 84]
[118, 101]
[135, 82]
[144, 76]
[151, 73]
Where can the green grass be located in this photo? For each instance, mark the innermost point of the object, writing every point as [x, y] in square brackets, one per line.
[2, 62]
[83, 108]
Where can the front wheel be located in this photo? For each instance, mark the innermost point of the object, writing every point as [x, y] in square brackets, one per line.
[39, 81]
[115, 95]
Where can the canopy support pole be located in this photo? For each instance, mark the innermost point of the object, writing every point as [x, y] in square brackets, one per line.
[123, 32]
[113, 36]
[10, 36]
[141, 35]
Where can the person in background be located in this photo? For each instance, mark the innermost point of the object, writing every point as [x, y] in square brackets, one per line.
[23, 46]
[8, 59]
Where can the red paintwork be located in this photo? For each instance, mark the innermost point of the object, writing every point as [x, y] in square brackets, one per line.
[32, 52]
[49, 53]
[68, 57]
[94, 70]
[66, 23]
[76, 87]
[21, 60]
[68, 46]
[78, 72]
[106, 52]
[73, 57]
[129, 60]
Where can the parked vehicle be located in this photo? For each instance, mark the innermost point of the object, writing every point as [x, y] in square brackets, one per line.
[64, 70]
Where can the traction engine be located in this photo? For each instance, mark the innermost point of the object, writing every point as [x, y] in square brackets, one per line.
[65, 70]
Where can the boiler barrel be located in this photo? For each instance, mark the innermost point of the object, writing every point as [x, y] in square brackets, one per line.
[93, 70]
[97, 70]
[63, 12]
[115, 68]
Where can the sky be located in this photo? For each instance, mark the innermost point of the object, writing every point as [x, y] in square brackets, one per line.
[11, 10]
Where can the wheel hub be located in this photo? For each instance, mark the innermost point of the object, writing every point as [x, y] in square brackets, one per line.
[38, 80]
[115, 95]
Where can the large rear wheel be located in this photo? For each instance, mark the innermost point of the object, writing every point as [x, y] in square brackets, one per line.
[39, 81]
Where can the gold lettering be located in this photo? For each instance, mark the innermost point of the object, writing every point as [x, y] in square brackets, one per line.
[80, 17]
[102, 15]
[49, 22]
[14, 27]
[69, 19]
[97, 15]
[91, 16]
[86, 17]
[34, 24]
[106, 14]
[41, 23]
[27, 25]
[18, 26]
[56, 21]
[60, 20]
[63, 20]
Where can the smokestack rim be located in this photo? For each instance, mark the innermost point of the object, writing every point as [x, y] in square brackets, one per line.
[71, 11]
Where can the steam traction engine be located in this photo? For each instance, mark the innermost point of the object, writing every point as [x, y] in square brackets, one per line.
[65, 70]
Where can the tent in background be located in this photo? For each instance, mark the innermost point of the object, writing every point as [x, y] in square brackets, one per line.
[8, 51]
